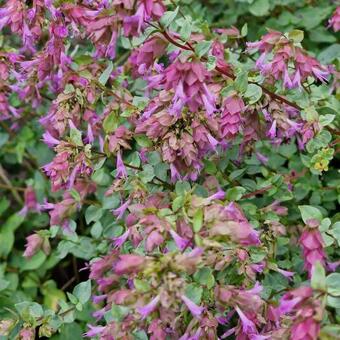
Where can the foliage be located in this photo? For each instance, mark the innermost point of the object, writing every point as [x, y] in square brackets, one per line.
[168, 169]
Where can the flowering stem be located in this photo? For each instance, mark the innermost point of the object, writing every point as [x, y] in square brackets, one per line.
[189, 47]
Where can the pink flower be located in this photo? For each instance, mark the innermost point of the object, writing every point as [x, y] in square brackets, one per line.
[272, 131]
[119, 212]
[121, 170]
[195, 310]
[248, 326]
[308, 329]
[149, 308]
[31, 203]
[119, 241]
[33, 244]
[334, 21]
[27, 334]
[49, 140]
[312, 245]
[230, 120]
[181, 242]
[93, 331]
[286, 54]
[129, 263]
[219, 195]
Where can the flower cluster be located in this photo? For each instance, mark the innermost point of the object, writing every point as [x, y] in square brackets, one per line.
[281, 59]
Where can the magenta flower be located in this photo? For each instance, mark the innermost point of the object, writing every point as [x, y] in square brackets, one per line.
[219, 195]
[121, 170]
[33, 244]
[94, 330]
[312, 246]
[31, 203]
[195, 310]
[119, 212]
[181, 242]
[334, 21]
[230, 121]
[49, 140]
[129, 263]
[119, 241]
[149, 308]
[248, 326]
[272, 131]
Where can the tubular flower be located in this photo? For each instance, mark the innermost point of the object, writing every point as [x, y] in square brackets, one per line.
[285, 53]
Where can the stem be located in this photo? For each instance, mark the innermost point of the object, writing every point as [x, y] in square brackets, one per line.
[9, 185]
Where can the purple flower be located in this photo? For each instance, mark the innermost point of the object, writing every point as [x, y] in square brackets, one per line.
[263, 159]
[98, 298]
[49, 140]
[119, 241]
[181, 242]
[247, 325]
[94, 330]
[121, 170]
[195, 310]
[33, 244]
[119, 212]
[149, 308]
[285, 273]
[219, 195]
[287, 305]
[272, 131]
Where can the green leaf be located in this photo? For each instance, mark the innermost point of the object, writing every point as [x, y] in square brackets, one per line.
[327, 119]
[198, 220]
[3, 138]
[296, 35]
[75, 136]
[82, 291]
[259, 7]
[205, 277]
[194, 292]
[241, 82]
[333, 284]
[141, 286]
[147, 174]
[318, 280]
[244, 30]
[104, 77]
[253, 93]
[308, 212]
[177, 203]
[143, 141]
[202, 48]
[235, 194]
[333, 301]
[3, 284]
[185, 30]
[34, 262]
[182, 187]
[211, 63]
[140, 335]
[93, 213]
[119, 312]
[110, 122]
[168, 17]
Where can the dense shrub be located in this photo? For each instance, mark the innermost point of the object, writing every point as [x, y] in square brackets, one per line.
[168, 169]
